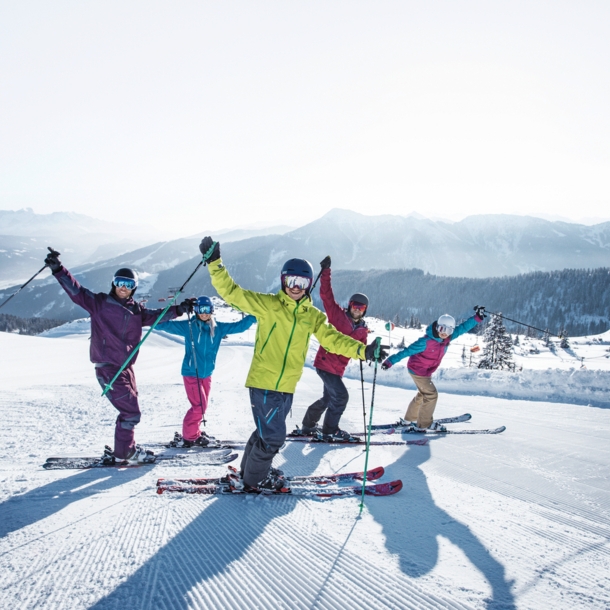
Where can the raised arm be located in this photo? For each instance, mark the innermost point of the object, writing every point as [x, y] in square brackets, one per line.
[415, 348]
[255, 303]
[77, 293]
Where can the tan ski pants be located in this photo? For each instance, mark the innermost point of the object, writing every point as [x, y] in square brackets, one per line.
[421, 408]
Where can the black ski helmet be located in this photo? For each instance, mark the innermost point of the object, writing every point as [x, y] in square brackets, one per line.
[300, 267]
[359, 298]
[128, 273]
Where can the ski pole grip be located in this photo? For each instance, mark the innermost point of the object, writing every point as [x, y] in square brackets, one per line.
[207, 255]
[377, 348]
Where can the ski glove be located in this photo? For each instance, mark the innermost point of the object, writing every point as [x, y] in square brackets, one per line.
[479, 310]
[369, 352]
[186, 306]
[325, 264]
[52, 261]
[204, 247]
[386, 364]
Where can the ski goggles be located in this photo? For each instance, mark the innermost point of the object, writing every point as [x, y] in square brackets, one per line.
[203, 309]
[125, 282]
[297, 281]
[445, 330]
[358, 306]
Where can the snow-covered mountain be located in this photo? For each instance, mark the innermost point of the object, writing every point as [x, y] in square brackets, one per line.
[477, 247]
[25, 235]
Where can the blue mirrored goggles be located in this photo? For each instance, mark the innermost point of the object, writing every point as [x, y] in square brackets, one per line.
[203, 309]
[297, 281]
[125, 282]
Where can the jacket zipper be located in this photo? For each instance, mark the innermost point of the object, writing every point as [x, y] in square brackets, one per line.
[268, 337]
[294, 323]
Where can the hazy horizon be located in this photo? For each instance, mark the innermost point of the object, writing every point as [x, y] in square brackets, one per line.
[228, 115]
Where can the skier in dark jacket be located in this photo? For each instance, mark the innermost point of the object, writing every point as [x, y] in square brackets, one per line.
[331, 367]
[425, 356]
[205, 335]
[116, 329]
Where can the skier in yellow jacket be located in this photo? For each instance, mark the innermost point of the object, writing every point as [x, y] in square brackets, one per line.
[286, 321]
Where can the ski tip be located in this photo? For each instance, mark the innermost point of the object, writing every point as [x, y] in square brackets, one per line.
[231, 458]
[375, 473]
[160, 482]
[160, 490]
[384, 489]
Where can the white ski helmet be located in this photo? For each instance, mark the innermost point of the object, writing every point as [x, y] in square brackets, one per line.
[445, 324]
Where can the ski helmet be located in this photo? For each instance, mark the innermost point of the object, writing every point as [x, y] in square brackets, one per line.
[125, 273]
[359, 298]
[300, 268]
[445, 324]
[204, 305]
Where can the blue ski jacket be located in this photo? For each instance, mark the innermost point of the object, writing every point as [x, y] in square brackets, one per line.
[206, 346]
[426, 353]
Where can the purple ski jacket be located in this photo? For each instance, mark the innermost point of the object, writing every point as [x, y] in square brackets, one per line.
[116, 325]
[342, 321]
[426, 353]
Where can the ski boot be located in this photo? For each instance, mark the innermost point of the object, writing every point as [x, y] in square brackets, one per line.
[139, 455]
[108, 457]
[177, 440]
[339, 436]
[436, 427]
[203, 440]
[305, 431]
[271, 483]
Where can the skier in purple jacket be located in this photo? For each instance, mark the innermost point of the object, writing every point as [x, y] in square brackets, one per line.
[116, 329]
[425, 356]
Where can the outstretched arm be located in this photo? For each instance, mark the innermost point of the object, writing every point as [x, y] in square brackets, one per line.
[174, 327]
[415, 348]
[77, 293]
[234, 328]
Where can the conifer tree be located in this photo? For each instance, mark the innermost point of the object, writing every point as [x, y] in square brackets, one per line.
[498, 350]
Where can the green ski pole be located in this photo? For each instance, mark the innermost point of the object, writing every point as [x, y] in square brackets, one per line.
[139, 345]
[368, 436]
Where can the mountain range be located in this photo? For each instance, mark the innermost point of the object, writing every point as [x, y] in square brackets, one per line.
[479, 246]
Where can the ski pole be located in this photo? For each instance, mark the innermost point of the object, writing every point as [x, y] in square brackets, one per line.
[316, 281]
[37, 273]
[522, 323]
[362, 386]
[196, 368]
[368, 436]
[139, 345]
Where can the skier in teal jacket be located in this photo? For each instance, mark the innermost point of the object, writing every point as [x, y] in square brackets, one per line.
[198, 366]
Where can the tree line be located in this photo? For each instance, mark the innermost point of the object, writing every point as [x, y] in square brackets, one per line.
[572, 300]
[26, 326]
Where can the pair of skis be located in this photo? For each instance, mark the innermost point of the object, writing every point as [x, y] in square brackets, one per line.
[313, 486]
[210, 458]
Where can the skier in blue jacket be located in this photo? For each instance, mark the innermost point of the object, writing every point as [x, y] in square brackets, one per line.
[197, 367]
[425, 356]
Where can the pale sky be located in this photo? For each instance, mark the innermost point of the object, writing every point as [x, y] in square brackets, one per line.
[205, 114]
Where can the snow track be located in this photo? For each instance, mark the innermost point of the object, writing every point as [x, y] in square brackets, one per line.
[519, 520]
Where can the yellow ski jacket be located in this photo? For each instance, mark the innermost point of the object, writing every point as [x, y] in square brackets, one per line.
[283, 332]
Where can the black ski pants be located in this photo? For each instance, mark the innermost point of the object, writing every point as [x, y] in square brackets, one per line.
[333, 401]
[270, 410]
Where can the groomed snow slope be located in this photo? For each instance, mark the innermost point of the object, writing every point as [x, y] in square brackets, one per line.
[518, 520]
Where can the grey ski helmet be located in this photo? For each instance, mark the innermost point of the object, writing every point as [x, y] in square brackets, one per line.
[359, 298]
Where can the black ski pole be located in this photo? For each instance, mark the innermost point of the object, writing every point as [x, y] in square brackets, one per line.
[522, 323]
[362, 386]
[316, 281]
[139, 345]
[37, 273]
[196, 368]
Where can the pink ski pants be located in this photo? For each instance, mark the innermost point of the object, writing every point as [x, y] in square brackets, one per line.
[199, 404]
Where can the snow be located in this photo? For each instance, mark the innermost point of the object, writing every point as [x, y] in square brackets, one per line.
[517, 520]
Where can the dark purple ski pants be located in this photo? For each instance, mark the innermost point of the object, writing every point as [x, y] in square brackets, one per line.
[124, 398]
